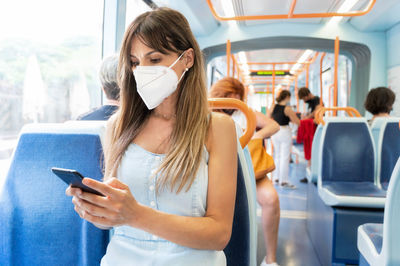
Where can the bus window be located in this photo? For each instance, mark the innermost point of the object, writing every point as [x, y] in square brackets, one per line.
[49, 57]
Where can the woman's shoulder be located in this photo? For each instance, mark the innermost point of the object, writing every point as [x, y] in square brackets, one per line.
[221, 122]
[221, 126]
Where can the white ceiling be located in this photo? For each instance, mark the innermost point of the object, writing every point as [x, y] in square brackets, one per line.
[274, 55]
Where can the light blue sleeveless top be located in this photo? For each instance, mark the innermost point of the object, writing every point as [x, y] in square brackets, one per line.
[131, 246]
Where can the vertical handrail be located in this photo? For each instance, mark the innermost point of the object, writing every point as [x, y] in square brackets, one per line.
[228, 57]
[320, 77]
[273, 83]
[335, 80]
[296, 88]
[291, 10]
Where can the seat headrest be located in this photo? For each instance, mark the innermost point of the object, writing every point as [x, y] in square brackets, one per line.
[345, 120]
[69, 127]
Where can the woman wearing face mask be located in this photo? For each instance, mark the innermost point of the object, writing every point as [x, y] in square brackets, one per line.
[282, 113]
[169, 186]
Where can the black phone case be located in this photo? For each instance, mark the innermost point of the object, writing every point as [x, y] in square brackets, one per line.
[73, 178]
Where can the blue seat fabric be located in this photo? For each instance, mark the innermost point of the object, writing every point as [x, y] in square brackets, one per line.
[356, 189]
[315, 153]
[390, 152]
[375, 234]
[237, 251]
[38, 223]
[348, 153]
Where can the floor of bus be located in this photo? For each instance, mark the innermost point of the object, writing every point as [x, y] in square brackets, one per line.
[294, 245]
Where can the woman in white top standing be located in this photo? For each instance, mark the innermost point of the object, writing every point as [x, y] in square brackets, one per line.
[169, 186]
[282, 113]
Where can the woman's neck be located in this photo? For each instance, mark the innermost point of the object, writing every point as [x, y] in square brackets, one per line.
[167, 109]
[380, 115]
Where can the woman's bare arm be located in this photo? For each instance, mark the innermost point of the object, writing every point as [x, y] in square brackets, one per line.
[268, 126]
[292, 115]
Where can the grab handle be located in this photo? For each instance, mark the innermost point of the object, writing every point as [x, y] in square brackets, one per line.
[351, 111]
[229, 103]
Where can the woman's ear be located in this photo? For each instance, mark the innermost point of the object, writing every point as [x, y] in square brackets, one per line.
[189, 58]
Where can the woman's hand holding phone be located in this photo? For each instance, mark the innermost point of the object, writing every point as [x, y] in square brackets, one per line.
[117, 207]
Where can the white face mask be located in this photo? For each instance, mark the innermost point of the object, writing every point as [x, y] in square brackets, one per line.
[155, 83]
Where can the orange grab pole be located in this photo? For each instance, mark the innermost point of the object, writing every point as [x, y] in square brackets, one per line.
[297, 95]
[290, 15]
[228, 103]
[351, 111]
[273, 83]
[335, 88]
[307, 75]
[320, 77]
[292, 6]
[228, 57]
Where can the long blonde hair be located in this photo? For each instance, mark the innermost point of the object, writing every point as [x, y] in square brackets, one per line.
[164, 30]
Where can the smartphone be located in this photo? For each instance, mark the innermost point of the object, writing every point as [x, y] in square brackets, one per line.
[73, 178]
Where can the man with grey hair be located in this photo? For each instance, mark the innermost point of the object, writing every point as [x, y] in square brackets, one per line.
[108, 79]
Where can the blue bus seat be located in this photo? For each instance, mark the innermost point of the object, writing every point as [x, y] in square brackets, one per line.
[379, 243]
[38, 223]
[315, 148]
[242, 248]
[252, 197]
[387, 147]
[346, 176]
[250, 184]
[237, 251]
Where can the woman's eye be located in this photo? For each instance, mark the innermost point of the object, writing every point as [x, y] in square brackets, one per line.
[134, 64]
[155, 60]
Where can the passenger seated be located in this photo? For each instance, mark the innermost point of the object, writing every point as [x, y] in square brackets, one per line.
[169, 181]
[267, 196]
[379, 102]
[109, 85]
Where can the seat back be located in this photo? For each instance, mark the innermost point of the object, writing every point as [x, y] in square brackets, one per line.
[391, 229]
[388, 150]
[347, 151]
[376, 127]
[242, 248]
[237, 251]
[315, 149]
[38, 223]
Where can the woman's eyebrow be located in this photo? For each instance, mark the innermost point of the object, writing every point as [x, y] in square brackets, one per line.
[147, 54]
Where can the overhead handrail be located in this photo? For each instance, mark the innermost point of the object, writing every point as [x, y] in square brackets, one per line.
[351, 111]
[290, 15]
[229, 103]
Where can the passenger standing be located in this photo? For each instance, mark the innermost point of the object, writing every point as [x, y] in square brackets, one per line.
[282, 113]
[312, 101]
[169, 185]
[109, 85]
[267, 196]
[379, 102]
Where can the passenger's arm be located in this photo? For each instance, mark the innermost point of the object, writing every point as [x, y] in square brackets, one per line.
[268, 126]
[292, 115]
[213, 231]
[312, 114]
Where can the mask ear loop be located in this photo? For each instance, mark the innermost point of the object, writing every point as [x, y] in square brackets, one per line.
[186, 69]
[173, 64]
